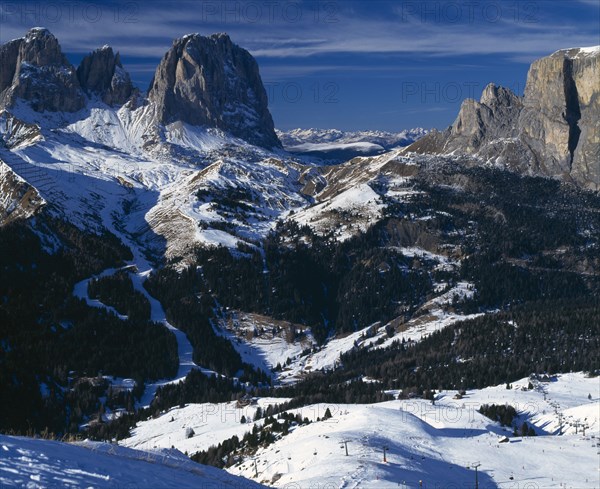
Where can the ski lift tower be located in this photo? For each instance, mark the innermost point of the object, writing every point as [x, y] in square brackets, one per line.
[475, 466]
[345, 445]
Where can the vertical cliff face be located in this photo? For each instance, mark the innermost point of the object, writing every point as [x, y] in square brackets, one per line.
[202, 81]
[34, 69]
[583, 114]
[553, 130]
[211, 81]
[549, 120]
[102, 73]
[560, 118]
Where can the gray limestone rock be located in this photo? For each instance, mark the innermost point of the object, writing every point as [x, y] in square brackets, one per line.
[211, 81]
[102, 73]
[34, 69]
[554, 130]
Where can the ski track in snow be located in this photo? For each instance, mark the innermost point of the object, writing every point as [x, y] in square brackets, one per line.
[35, 464]
[185, 350]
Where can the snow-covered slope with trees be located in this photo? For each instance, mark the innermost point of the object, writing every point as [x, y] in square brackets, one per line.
[441, 442]
[390, 273]
[431, 442]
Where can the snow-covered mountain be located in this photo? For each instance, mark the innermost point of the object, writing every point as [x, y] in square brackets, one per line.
[386, 140]
[333, 145]
[430, 442]
[376, 254]
[201, 80]
[122, 151]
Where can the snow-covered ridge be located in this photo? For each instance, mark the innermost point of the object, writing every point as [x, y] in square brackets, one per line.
[107, 159]
[579, 52]
[433, 443]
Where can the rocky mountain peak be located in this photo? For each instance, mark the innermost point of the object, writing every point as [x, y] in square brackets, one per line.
[496, 96]
[477, 123]
[102, 73]
[41, 48]
[201, 81]
[212, 81]
[34, 69]
[552, 130]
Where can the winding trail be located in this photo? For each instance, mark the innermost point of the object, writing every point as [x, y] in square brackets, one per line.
[143, 269]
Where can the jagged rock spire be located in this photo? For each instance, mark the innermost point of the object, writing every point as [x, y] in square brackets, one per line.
[102, 73]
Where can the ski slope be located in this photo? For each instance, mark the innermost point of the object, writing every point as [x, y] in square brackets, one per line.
[35, 463]
[433, 443]
[439, 444]
[212, 423]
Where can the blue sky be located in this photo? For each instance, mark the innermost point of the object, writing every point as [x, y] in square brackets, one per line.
[352, 65]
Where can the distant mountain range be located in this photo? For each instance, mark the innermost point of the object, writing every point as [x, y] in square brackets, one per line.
[333, 145]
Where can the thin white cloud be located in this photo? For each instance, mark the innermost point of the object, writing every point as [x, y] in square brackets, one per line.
[591, 3]
[157, 24]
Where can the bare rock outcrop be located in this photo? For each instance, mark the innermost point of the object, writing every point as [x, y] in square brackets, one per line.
[102, 73]
[34, 69]
[553, 130]
[561, 115]
[211, 81]
[15, 132]
[18, 199]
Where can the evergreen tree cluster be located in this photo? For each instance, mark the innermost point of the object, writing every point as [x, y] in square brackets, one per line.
[522, 238]
[196, 388]
[191, 310]
[503, 413]
[132, 348]
[316, 281]
[232, 450]
[544, 336]
[117, 291]
[49, 339]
